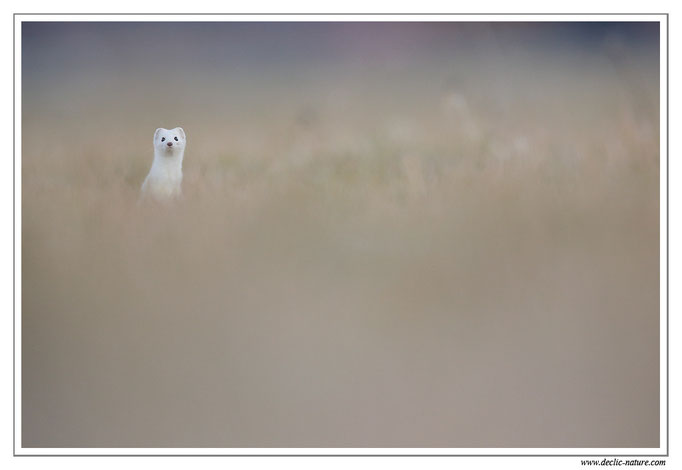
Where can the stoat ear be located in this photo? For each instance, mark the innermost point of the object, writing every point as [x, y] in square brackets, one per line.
[156, 133]
[180, 131]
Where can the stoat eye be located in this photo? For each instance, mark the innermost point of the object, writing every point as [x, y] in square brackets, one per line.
[162, 139]
[176, 139]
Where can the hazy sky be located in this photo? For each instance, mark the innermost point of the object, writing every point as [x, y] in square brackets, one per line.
[54, 47]
[70, 66]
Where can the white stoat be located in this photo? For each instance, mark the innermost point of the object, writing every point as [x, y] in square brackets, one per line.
[164, 180]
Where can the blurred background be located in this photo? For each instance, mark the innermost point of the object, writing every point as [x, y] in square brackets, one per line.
[392, 235]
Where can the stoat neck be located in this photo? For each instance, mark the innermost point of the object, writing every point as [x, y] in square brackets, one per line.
[167, 163]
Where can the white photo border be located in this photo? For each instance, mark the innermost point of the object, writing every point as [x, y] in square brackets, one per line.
[661, 451]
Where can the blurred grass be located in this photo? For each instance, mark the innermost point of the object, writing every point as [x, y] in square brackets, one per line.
[420, 257]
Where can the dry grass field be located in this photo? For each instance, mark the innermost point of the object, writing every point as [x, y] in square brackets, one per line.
[426, 251]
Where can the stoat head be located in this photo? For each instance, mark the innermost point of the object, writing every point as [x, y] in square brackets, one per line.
[169, 142]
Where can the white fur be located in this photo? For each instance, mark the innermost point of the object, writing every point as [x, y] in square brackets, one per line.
[164, 181]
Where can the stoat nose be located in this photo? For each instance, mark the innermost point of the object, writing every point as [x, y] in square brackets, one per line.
[170, 144]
